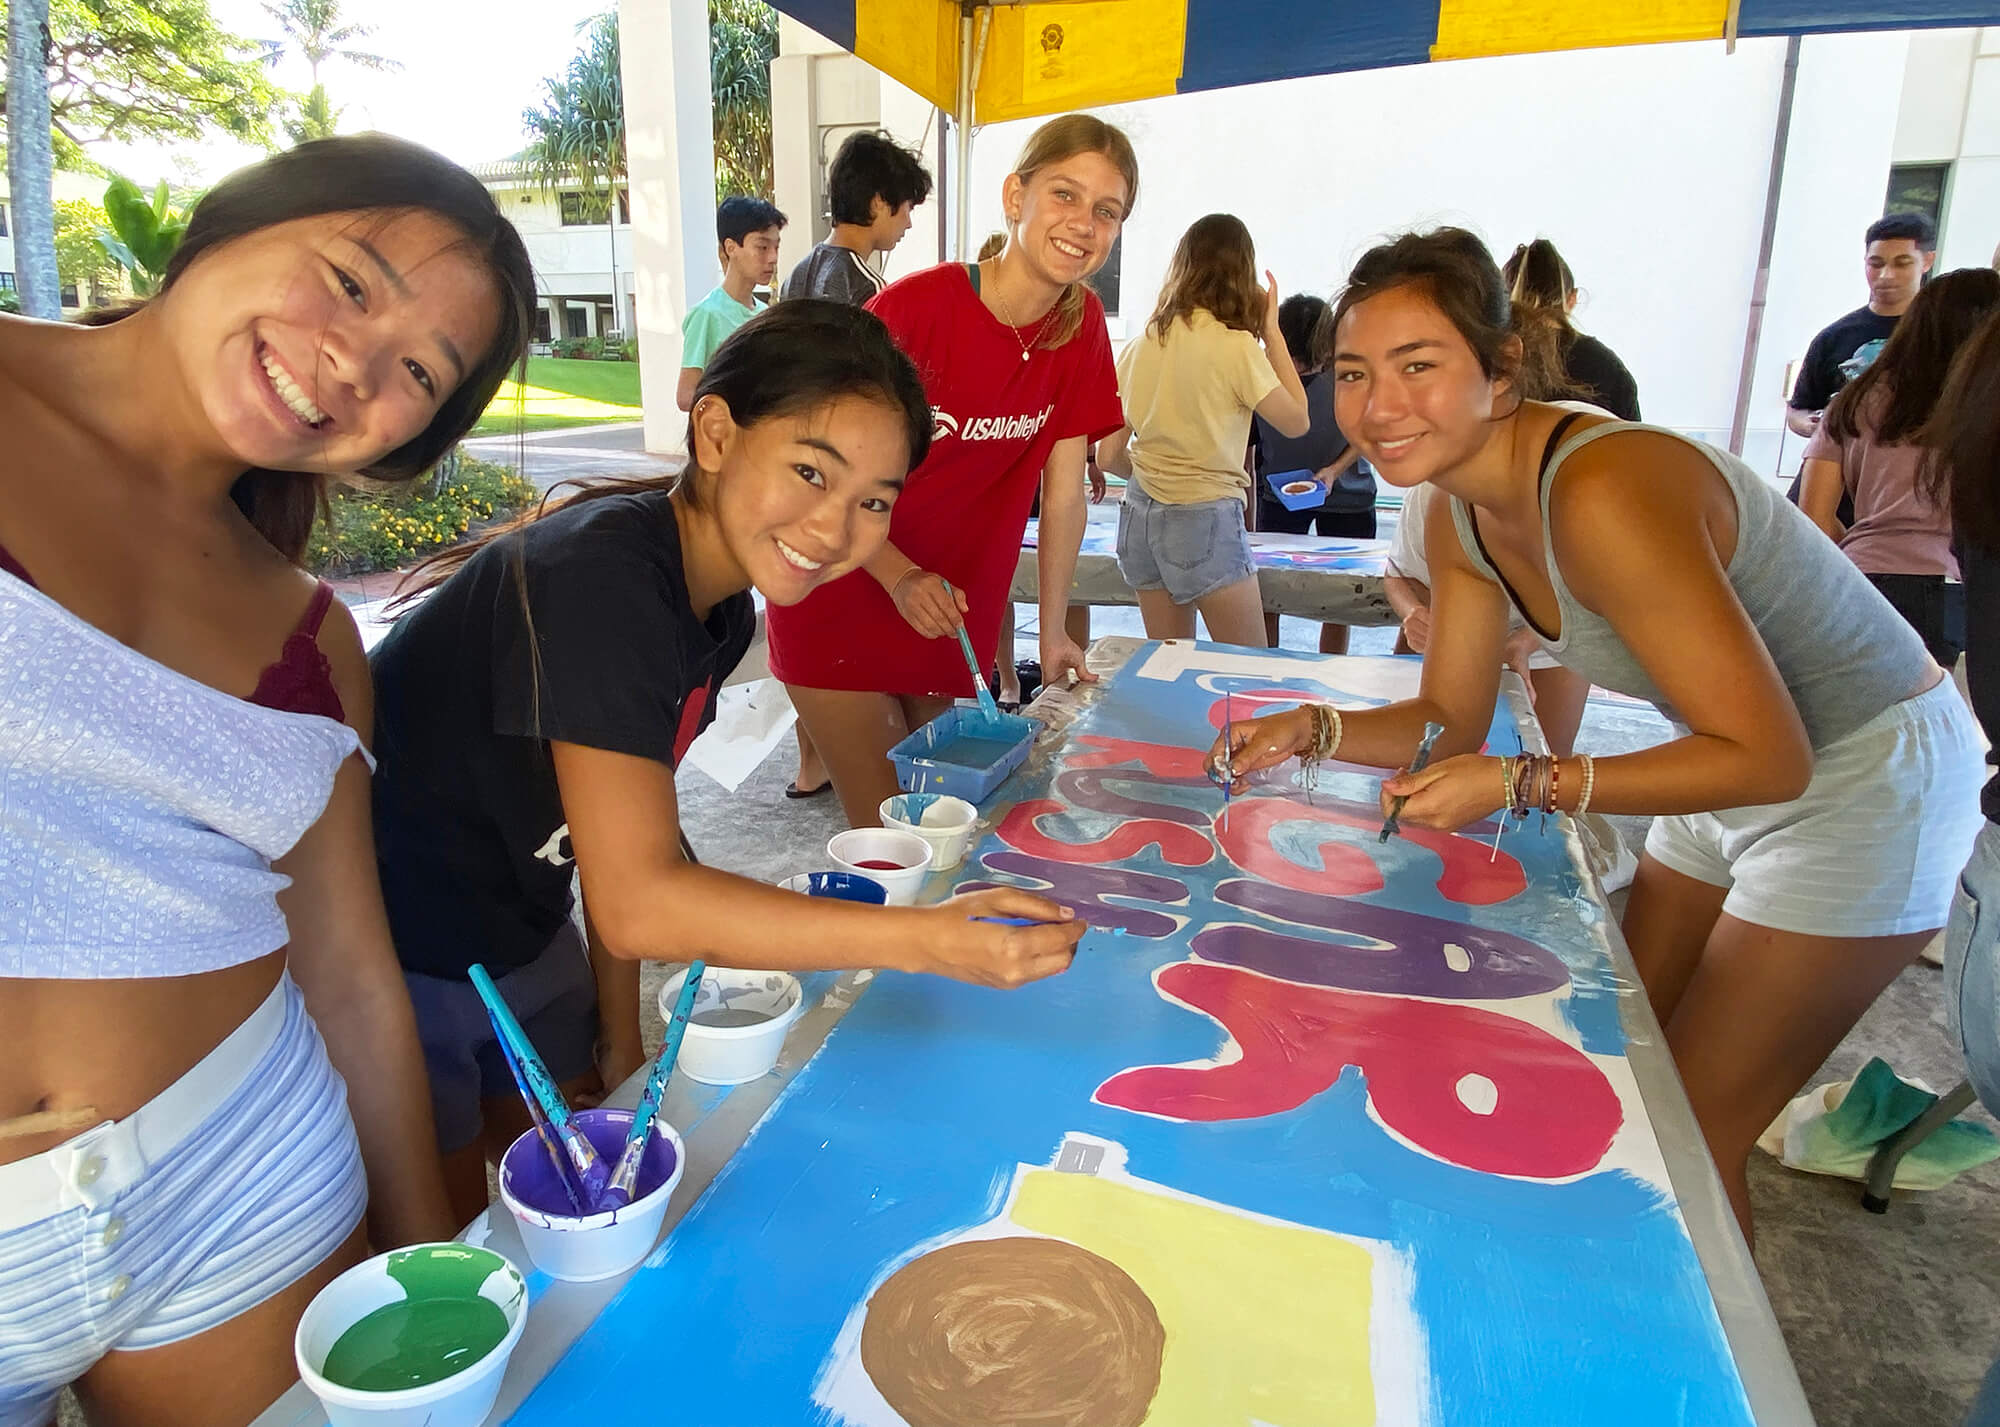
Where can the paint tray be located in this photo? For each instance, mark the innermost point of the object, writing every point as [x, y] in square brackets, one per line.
[1311, 498]
[965, 752]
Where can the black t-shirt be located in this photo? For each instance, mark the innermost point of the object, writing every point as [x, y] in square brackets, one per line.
[1595, 375]
[469, 830]
[1821, 377]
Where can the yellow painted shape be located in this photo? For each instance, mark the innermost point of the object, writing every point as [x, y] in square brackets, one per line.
[511, 401]
[1468, 29]
[1051, 58]
[914, 42]
[1265, 1322]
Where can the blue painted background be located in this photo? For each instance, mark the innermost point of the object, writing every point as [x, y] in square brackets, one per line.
[1544, 1304]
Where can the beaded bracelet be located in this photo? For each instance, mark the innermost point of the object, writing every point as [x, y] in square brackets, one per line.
[1589, 783]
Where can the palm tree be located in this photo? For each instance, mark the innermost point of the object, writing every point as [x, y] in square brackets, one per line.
[742, 39]
[31, 158]
[314, 29]
[576, 135]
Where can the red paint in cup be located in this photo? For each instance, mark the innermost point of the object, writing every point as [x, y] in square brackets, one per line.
[877, 864]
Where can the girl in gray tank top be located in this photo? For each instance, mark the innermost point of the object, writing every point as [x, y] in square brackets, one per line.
[1820, 793]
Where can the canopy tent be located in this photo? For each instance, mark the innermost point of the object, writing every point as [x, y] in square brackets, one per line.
[1044, 56]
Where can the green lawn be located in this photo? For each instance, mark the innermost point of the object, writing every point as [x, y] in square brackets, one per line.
[561, 392]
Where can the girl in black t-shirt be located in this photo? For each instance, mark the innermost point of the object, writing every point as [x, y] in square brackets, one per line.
[1540, 283]
[532, 709]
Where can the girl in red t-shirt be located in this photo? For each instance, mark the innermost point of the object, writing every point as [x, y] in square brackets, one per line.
[1017, 365]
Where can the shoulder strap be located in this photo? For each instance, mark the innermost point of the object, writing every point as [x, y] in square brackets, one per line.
[972, 272]
[1555, 440]
[315, 614]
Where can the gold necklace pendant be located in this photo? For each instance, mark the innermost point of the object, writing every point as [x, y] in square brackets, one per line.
[1007, 315]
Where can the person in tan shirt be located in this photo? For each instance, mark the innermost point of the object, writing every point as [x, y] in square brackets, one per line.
[1211, 355]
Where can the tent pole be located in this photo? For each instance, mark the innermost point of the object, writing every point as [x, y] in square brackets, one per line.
[1761, 289]
[962, 132]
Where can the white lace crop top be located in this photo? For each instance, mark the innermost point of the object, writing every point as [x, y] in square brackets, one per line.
[140, 810]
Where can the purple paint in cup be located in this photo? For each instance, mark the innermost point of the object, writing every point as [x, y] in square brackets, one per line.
[595, 1245]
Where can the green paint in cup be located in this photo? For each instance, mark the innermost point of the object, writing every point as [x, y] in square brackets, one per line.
[443, 1327]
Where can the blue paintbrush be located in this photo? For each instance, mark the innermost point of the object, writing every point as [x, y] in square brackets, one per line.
[625, 1174]
[591, 1170]
[1431, 732]
[986, 704]
[572, 1186]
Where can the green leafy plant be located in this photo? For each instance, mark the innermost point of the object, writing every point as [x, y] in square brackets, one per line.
[389, 527]
[143, 235]
[10, 300]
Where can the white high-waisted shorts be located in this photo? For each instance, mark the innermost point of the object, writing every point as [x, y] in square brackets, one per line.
[231, 1184]
[1874, 845]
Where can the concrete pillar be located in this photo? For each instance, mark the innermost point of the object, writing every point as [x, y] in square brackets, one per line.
[670, 156]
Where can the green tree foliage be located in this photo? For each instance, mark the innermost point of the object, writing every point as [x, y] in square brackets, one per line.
[150, 69]
[314, 29]
[80, 257]
[143, 233]
[312, 117]
[742, 40]
[576, 135]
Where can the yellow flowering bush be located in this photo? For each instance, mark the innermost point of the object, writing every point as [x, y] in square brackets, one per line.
[391, 526]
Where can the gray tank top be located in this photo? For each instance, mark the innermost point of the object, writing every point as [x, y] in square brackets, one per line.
[1843, 651]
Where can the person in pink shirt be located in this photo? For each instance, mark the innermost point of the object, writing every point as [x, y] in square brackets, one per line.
[1870, 447]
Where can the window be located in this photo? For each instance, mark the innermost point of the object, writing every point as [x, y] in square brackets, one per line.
[3, 220]
[1105, 283]
[1918, 188]
[69, 295]
[580, 210]
[576, 322]
[6, 282]
[544, 323]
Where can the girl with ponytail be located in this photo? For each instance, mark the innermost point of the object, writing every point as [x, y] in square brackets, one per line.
[1016, 364]
[1542, 287]
[1814, 808]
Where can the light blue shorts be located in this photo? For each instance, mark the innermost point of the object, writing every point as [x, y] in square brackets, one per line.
[1190, 551]
[1972, 970]
[231, 1184]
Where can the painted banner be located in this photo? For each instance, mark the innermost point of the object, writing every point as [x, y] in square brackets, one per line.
[1316, 1132]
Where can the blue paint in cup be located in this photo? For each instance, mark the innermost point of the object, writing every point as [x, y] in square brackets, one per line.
[842, 886]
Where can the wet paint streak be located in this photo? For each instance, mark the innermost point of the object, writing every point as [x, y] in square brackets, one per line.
[1402, 952]
[1178, 844]
[1296, 1040]
[1347, 869]
[1091, 788]
[1170, 761]
[1084, 889]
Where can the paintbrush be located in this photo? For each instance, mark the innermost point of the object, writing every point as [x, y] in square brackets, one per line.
[1229, 743]
[986, 704]
[625, 1174]
[1431, 732]
[591, 1170]
[546, 1133]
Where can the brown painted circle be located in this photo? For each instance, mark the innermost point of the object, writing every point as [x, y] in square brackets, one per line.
[997, 1332]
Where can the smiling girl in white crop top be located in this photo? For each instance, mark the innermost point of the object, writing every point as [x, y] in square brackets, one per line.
[188, 896]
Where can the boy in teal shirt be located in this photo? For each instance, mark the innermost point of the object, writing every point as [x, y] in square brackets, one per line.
[747, 229]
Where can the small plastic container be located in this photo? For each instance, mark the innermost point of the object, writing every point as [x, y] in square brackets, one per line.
[593, 1246]
[462, 1400]
[841, 886]
[1297, 490]
[721, 1054]
[943, 821]
[908, 854]
[1004, 739]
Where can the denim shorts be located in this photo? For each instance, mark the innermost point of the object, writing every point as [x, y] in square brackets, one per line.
[1190, 551]
[1972, 966]
[231, 1184]
[554, 997]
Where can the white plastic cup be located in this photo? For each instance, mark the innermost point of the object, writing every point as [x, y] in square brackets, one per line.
[462, 1400]
[732, 1055]
[910, 854]
[945, 822]
[595, 1245]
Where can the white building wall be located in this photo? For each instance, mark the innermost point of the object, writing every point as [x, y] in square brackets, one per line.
[1972, 207]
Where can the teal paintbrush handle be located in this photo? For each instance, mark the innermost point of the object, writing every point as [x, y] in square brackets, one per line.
[625, 1177]
[590, 1168]
[985, 695]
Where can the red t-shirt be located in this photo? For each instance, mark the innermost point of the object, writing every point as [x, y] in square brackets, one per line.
[994, 419]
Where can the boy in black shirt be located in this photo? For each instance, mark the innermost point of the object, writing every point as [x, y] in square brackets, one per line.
[1900, 251]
